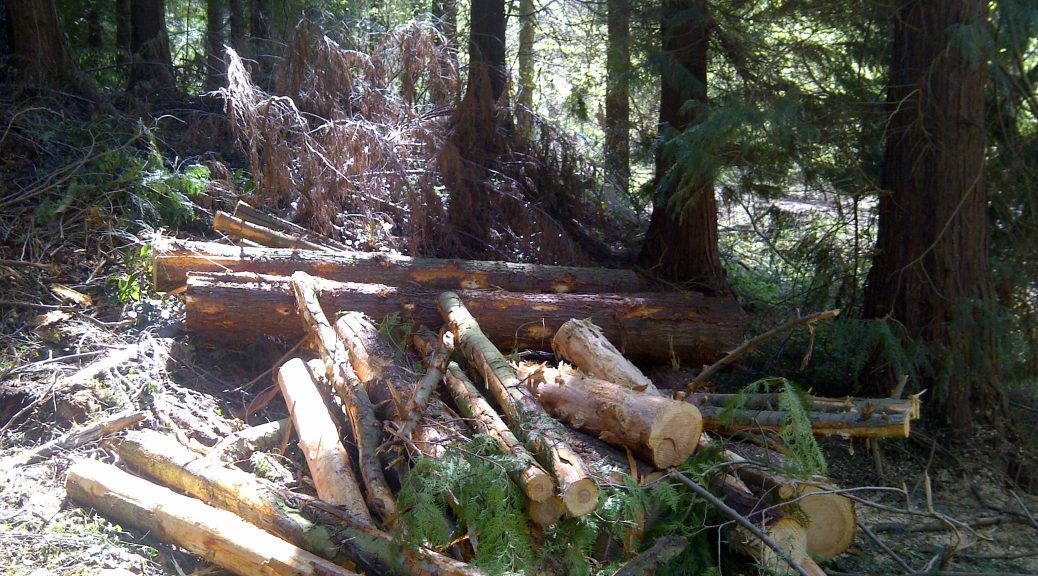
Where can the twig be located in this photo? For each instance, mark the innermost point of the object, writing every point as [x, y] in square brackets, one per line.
[740, 520]
[756, 341]
[1024, 508]
[883, 546]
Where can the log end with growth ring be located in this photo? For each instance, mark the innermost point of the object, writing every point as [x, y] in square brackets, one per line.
[833, 522]
[581, 497]
[670, 442]
[537, 484]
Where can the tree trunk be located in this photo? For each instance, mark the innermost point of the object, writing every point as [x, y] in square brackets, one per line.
[527, 37]
[152, 66]
[664, 432]
[214, 68]
[618, 88]
[122, 30]
[930, 272]
[38, 47]
[846, 425]
[681, 243]
[217, 535]
[236, 16]
[95, 37]
[232, 309]
[487, 47]
[174, 259]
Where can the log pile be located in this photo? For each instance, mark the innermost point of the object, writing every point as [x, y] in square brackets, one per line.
[556, 422]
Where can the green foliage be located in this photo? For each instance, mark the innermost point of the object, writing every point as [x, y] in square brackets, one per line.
[804, 456]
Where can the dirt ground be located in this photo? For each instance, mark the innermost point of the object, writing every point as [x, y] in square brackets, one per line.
[196, 392]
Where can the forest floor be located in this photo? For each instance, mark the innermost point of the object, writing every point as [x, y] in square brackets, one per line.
[200, 391]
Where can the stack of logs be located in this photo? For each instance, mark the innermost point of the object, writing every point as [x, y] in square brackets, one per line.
[554, 420]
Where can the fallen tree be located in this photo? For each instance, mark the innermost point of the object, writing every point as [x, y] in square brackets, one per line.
[843, 424]
[232, 309]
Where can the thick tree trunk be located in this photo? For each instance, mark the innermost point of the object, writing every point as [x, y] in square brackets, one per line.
[527, 37]
[681, 243]
[326, 457]
[930, 272]
[217, 535]
[38, 47]
[662, 431]
[487, 48]
[232, 309]
[445, 18]
[122, 29]
[236, 18]
[152, 66]
[586, 347]
[526, 418]
[618, 90]
[174, 259]
[214, 68]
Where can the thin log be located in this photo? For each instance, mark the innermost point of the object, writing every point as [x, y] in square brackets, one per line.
[662, 431]
[583, 344]
[174, 259]
[483, 419]
[770, 401]
[663, 550]
[78, 437]
[232, 309]
[435, 360]
[374, 362]
[351, 393]
[217, 535]
[240, 445]
[238, 228]
[258, 502]
[845, 425]
[752, 343]
[327, 459]
[247, 213]
[527, 419]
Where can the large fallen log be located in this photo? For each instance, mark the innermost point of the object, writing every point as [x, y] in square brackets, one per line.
[351, 393]
[527, 419]
[217, 535]
[232, 309]
[174, 259]
[662, 431]
[583, 344]
[843, 424]
[163, 458]
[327, 459]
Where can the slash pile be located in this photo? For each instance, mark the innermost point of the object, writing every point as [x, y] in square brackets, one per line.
[554, 421]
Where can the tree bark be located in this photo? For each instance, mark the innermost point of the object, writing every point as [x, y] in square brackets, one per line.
[217, 535]
[236, 18]
[487, 47]
[232, 309]
[865, 407]
[681, 243]
[122, 30]
[215, 71]
[526, 418]
[618, 89]
[174, 259]
[584, 345]
[327, 459]
[527, 38]
[152, 65]
[846, 425]
[930, 272]
[662, 431]
[38, 46]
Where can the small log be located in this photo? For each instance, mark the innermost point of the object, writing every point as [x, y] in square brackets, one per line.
[528, 419]
[217, 535]
[240, 445]
[865, 406]
[163, 458]
[845, 425]
[582, 343]
[174, 259]
[374, 362]
[249, 214]
[435, 359]
[483, 419]
[230, 309]
[547, 512]
[351, 393]
[76, 438]
[326, 457]
[238, 228]
[660, 430]
[663, 550]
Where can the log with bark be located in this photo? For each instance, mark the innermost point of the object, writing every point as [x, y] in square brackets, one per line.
[351, 392]
[217, 535]
[247, 213]
[260, 235]
[770, 401]
[843, 424]
[231, 309]
[174, 259]
[583, 344]
[526, 418]
[163, 458]
[664, 432]
[483, 419]
[243, 443]
[327, 459]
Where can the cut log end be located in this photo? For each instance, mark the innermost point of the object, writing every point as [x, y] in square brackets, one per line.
[670, 442]
[581, 497]
[833, 522]
[537, 484]
[546, 512]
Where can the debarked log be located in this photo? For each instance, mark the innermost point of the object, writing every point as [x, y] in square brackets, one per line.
[233, 309]
[174, 259]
